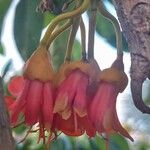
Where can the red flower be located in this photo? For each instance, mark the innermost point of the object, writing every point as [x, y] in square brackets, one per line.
[71, 100]
[103, 110]
[72, 95]
[103, 107]
[9, 100]
[70, 126]
[35, 100]
[15, 86]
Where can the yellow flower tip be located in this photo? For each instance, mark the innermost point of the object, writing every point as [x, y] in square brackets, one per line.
[38, 66]
[81, 113]
[60, 104]
[66, 114]
[114, 75]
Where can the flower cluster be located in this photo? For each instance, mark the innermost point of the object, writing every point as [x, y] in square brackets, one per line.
[79, 98]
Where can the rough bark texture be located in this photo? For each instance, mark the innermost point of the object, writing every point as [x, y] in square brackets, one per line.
[6, 140]
[134, 16]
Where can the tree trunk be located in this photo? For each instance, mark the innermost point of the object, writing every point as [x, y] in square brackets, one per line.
[6, 139]
[134, 16]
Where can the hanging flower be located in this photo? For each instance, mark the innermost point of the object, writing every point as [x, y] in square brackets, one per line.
[103, 107]
[35, 100]
[71, 100]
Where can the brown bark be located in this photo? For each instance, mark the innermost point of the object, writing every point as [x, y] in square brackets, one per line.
[6, 139]
[134, 16]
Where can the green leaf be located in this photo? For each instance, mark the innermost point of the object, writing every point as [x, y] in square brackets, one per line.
[58, 144]
[4, 5]
[117, 142]
[58, 49]
[76, 52]
[1, 49]
[20, 129]
[105, 29]
[28, 26]
[48, 17]
[6, 68]
[100, 143]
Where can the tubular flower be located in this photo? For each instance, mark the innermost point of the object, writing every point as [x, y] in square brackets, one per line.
[71, 100]
[35, 100]
[103, 107]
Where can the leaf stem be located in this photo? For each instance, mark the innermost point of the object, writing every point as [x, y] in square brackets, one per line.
[92, 26]
[83, 7]
[115, 23]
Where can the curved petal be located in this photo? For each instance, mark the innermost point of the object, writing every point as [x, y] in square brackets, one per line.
[118, 127]
[19, 105]
[67, 126]
[15, 85]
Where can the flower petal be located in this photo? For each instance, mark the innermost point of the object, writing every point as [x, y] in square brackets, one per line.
[87, 125]
[34, 102]
[19, 104]
[67, 91]
[80, 101]
[47, 108]
[118, 127]
[105, 97]
[9, 100]
[67, 126]
[15, 85]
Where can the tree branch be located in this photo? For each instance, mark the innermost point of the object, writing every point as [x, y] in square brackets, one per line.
[134, 16]
[6, 139]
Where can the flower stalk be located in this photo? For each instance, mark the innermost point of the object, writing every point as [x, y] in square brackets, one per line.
[83, 38]
[82, 8]
[60, 30]
[75, 26]
[92, 26]
[109, 16]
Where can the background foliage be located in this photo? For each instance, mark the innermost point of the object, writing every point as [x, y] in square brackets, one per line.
[28, 26]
